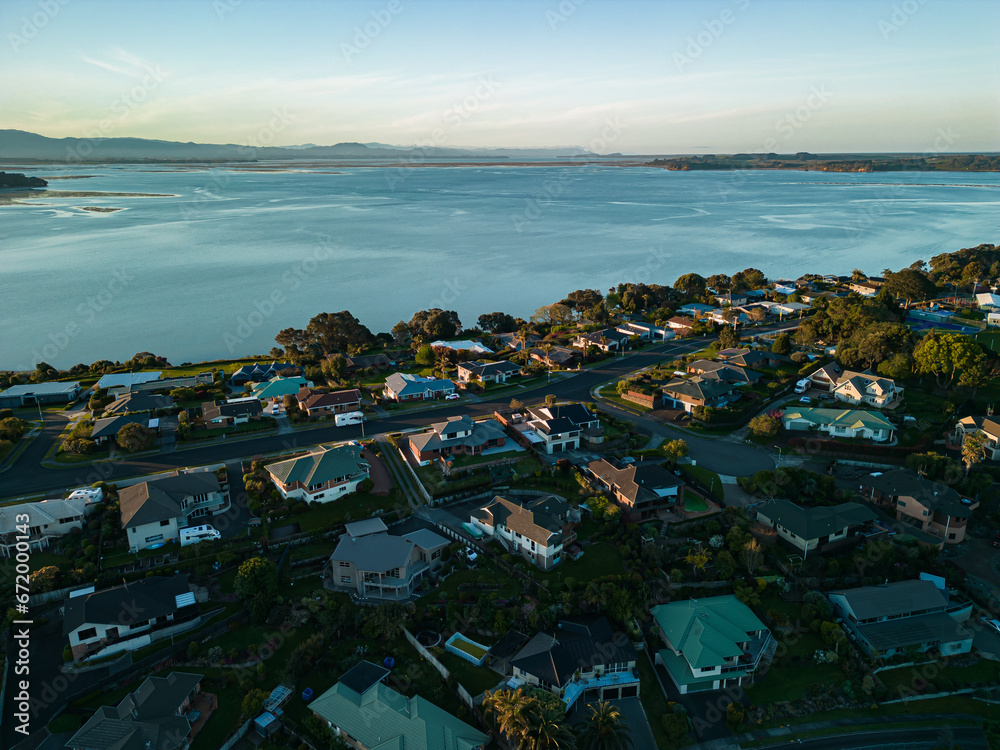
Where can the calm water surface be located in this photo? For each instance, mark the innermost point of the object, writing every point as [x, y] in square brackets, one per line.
[232, 257]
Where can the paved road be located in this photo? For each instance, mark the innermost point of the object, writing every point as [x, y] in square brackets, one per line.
[27, 476]
[967, 738]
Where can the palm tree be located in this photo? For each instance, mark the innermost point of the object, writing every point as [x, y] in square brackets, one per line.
[544, 728]
[605, 729]
[507, 708]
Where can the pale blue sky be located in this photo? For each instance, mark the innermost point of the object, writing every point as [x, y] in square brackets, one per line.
[636, 77]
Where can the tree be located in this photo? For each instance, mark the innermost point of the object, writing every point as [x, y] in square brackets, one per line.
[550, 400]
[604, 729]
[506, 708]
[946, 355]
[782, 344]
[385, 621]
[135, 437]
[873, 344]
[728, 338]
[12, 429]
[497, 322]
[401, 333]
[677, 727]
[78, 446]
[898, 367]
[691, 284]
[583, 299]
[435, 323]
[257, 575]
[425, 356]
[697, 557]
[973, 450]
[337, 332]
[909, 284]
[545, 728]
[44, 579]
[751, 556]
[765, 427]
[516, 404]
[735, 716]
[675, 450]
[335, 367]
[556, 314]
[252, 702]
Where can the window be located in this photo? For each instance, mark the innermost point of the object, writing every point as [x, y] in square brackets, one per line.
[86, 635]
[151, 539]
[345, 579]
[344, 564]
[165, 523]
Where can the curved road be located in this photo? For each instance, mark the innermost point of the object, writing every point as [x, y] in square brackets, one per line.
[27, 476]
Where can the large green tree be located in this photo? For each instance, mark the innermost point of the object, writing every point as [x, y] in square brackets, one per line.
[435, 323]
[909, 284]
[947, 355]
[256, 576]
[691, 284]
[135, 437]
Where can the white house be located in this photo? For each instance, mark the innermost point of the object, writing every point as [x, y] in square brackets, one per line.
[851, 423]
[538, 530]
[129, 616]
[556, 429]
[154, 512]
[320, 476]
[43, 521]
[852, 387]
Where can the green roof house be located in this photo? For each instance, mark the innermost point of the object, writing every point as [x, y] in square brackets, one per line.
[712, 643]
[278, 387]
[372, 716]
[322, 475]
[852, 423]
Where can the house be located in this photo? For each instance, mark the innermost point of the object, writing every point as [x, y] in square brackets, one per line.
[681, 393]
[261, 372]
[732, 300]
[728, 372]
[894, 617]
[537, 530]
[646, 331]
[234, 411]
[554, 429]
[784, 287]
[935, 509]
[851, 423]
[463, 345]
[696, 309]
[30, 394]
[37, 524]
[135, 403]
[817, 528]
[865, 288]
[487, 372]
[606, 339]
[154, 512]
[581, 658]
[854, 387]
[557, 356]
[404, 387]
[368, 362]
[712, 643]
[680, 325]
[318, 404]
[513, 341]
[159, 715]
[167, 384]
[130, 616]
[750, 357]
[993, 318]
[988, 301]
[122, 382]
[369, 715]
[987, 427]
[370, 563]
[106, 429]
[642, 489]
[322, 475]
[278, 387]
[810, 297]
[456, 436]
[728, 316]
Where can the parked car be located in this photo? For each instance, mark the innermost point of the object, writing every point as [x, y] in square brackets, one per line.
[805, 400]
[276, 409]
[992, 624]
[452, 397]
[996, 540]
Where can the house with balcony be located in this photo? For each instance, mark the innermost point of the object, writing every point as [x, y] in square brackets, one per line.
[154, 512]
[130, 616]
[319, 404]
[728, 372]
[712, 643]
[367, 714]
[646, 331]
[986, 427]
[849, 423]
[370, 563]
[164, 713]
[680, 325]
[938, 513]
[403, 387]
[642, 489]
[487, 372]
[820, 528]
[536, 529]
[322, 475]
[43, 521]
[556, 429]
[894, 617]
[852, 387]
[580, 660]
[607, 340]
[456, 436]
[220, 414]
[687, 393]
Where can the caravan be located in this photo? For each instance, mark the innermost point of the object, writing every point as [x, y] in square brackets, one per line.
[351, 417]
[195, 534]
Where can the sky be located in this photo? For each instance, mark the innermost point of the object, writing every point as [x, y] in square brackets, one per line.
[658, 77]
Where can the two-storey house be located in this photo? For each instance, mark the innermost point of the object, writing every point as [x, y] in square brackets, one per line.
[538, 530]
[43, 521]
[154, 512]
[935, 509]
[642, 489]
[322, 475]
[456, 436]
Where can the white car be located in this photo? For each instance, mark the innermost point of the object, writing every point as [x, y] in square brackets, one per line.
[452, 397]
[992, 624]
[805, 400]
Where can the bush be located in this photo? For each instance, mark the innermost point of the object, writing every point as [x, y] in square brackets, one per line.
[799, 358]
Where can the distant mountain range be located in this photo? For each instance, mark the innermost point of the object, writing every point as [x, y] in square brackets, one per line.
[19, 145]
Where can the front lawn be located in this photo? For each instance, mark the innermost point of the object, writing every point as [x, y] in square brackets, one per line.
[354, 507]
[600, 559]
[907, 680]
[791, 673]
[708, 478]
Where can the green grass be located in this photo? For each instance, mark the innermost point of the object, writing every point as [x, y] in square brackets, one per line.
[709, 478]
[474, 679]
[654, 702]
[788, 681]
[460, 461]
[905, 680]
[85, 458]
[614, 398]
[601, 559]
[354, 507]
[836, 731]
[694, 503]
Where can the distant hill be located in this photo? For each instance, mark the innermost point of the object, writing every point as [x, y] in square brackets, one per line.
[834, 162]
[19, 145]
[14, 180]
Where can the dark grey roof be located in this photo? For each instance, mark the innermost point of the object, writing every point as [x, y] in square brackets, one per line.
[109, 426]
[131, 602]
[480, 434]
[363, 676]
[696, 387]
[910, 631]
[932, 495]
[232, 409]
[138, 402]
[578, 414]
[509, 645]
[160, 499]
[812, 523]
[382, 552]
[480, 368]
[579, 643]
[894, 599]
[556, 426]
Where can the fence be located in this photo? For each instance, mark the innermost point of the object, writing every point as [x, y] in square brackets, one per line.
[463, 694]
[413, 475]
[643, 399]
[237, 736]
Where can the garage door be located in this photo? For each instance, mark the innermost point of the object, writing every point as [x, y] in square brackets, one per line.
[610, 694]
[630, 691]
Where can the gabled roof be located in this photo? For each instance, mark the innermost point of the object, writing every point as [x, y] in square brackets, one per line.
[404, 384]
[160, 499]
[534, 521]
[319, 466]
[934, 496]
[231, 409]
[279, 386]
[479, 369]
[707, 631]
[382, 719]
[310, 399]
[698, 387]
[637, 482]
[853, 418]
[578, 643]
[911, 631]
[578, 414]
[559, 354]
[44, 513]
[894, 599]
[987, 424]
[109, 426]
[368, 360]
[140, 600]
[728, 371]
[138, 402]
[480, 434]
[381, 552]
[815, 522]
